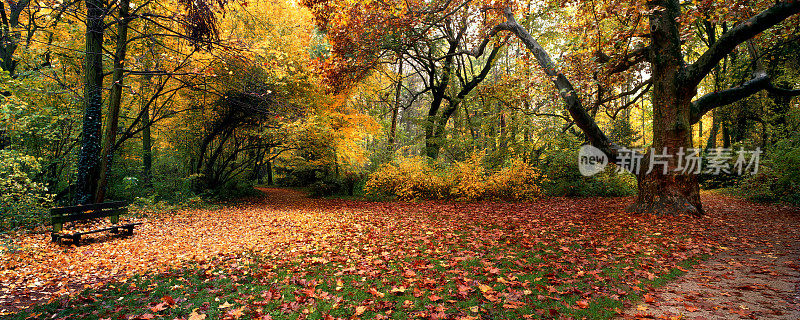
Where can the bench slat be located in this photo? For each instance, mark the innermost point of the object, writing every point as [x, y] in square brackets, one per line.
[89, 207]
[88, 215]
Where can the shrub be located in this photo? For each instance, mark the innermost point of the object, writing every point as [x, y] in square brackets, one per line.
[565, 179]
[519, 180]
[413, 178]
[325, 188]
[778, 178]
[23, 202]
[468, 179]
[407, 179]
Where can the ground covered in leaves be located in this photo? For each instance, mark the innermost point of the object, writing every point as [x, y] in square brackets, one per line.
[285, 256]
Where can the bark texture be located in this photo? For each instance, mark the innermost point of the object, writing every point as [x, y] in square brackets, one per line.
[89, 154]
[115, 101]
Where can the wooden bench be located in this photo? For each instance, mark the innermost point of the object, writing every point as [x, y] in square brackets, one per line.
[112, 210]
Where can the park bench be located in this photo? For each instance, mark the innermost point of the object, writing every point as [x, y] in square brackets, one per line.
[111, 210]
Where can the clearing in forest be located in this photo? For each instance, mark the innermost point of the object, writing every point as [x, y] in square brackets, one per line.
[286, 256]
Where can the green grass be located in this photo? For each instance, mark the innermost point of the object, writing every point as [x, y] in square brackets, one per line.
[299, 289]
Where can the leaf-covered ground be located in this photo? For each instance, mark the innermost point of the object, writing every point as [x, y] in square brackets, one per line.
[286, 256]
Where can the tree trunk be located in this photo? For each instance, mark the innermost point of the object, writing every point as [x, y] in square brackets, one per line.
[9, 39]
[115, 101]
[712, 137]
[396, 108]
[147, 151]
[503, 137]
[89, 154]
[269, 172]
[147, 138]
[673, 193]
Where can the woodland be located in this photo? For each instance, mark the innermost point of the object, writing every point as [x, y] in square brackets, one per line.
[382, 159]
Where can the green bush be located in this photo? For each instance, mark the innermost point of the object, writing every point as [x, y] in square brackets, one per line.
[23, 202]
[152, 206]
[325, 188]
[778, 178]
[565, 179]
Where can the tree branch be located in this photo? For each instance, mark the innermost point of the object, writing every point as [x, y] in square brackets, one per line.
[740, 33]
[565, 89]
[782, 92]
[712, 100]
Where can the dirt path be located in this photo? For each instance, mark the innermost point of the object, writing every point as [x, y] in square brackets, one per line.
[757, 276]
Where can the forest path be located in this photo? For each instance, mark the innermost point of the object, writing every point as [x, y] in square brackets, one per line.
[757, 276]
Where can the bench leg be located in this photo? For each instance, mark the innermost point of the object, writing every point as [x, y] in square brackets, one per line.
[76, 239]
[129, 230]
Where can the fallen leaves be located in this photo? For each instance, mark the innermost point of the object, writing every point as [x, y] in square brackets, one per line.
[560, 253]
[360, 310]
[196, 316]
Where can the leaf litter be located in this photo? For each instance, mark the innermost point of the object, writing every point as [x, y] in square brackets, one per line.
[436, 259]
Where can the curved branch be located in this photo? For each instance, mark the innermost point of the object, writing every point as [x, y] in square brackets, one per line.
[712, 100]
[565, 89]
[783, 92]
[735, 36]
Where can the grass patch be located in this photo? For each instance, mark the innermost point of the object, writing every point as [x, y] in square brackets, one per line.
[508, 286]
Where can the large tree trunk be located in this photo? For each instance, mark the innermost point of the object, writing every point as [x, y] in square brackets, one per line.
[115, 101]
[674, 192]
[89, 154]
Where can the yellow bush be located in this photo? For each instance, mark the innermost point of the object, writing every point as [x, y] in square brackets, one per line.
[468, 179]
[413, 178]
[407, 179]
[517, 181]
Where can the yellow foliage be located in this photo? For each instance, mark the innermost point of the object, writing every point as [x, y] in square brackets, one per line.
[408, 179]
[469, 178]
[413, 178]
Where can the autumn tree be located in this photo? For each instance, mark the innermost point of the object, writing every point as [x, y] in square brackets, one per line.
[624, 38]
[434, 41]
[198, 28]
[675, 82]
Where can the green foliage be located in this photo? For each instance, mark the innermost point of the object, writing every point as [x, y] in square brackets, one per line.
[326, 188]
[623, 133]
[23, 202]
[778, 178]
[414, 178]
[565, 179]
[152, 206]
